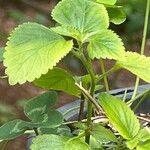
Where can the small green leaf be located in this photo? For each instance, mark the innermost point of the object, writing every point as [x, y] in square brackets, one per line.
[1, 54]
[38, 110]
[144, 146]
[141, 137]
[105, 44]
[31, 51]
[102, 134]
[116, 15]
[76, 144]
[13, 129]
[120, 116]
[83, 15]
[107, 2]
[137, 64]
[58, 79]
[47, 142]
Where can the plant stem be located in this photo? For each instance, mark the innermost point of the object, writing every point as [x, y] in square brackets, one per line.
[4, 146]
[3, 77]
[141, 100]
[137, 97]
[81, 111]
[93, 101]
[105, 77]
[88, 66]
[143, 44]
[102, 119]
[113, 69]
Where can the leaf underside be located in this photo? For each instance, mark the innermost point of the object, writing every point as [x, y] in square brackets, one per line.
[31, 51]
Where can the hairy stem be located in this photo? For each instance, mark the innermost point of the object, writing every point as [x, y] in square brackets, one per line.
[88, 66]
[143, 44]
[81, 111]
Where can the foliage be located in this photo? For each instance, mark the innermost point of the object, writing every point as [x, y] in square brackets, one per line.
[31, 55]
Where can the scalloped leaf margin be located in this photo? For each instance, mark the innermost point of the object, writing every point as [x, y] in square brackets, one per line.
[32, 50]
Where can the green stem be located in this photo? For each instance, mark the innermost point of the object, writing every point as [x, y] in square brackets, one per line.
[143, 44]
[4, 146]
[87, 94]
[141, 100]
[81, 111]
[105, 77]
[112, 70]
[129, 103]
[88, 66]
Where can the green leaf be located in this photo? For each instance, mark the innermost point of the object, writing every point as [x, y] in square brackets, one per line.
[137, 64]
[116, 15]
[105, 44]
[102, 134]
[83, 15]
[58, 79]
[144, 146]
[12, 129]
[107, 2]
[31, 51]
[120, 116]
[1, 54]
[68, 31]
[76, 144]
[141, 137]
[47, 142]
[39, 110]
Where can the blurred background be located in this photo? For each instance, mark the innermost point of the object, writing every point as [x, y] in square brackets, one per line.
[14, 12]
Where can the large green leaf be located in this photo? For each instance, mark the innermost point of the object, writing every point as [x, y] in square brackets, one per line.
[39, 110]
[76, 144]
[108, 2]
[31, 51]
[105, 44]
[1, 54]
[102, 134]
[86, 16]
[58, 79]
[47, 142]
[137, 64]
[12, 129]
[141, 137]
[55, 142]
[120, 116]
[116, 15]
[144, 146]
